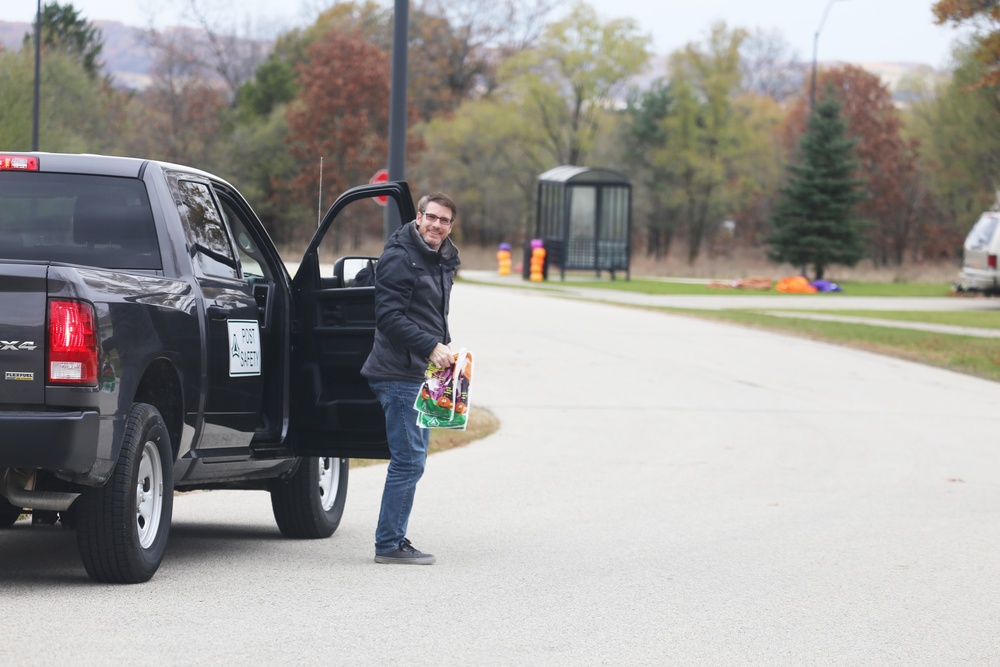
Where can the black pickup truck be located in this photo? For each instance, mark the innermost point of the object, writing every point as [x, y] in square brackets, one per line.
[152, 340]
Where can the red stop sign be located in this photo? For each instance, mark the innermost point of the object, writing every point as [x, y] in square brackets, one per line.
[381, 176]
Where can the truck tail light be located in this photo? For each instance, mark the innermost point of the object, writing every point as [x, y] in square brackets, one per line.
[72, 343]
[991, 261]
[18, 162]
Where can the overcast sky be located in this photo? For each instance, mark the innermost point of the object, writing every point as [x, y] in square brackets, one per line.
[855, 31]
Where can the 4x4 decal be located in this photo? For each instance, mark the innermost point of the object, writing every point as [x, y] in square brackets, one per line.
[17, 345]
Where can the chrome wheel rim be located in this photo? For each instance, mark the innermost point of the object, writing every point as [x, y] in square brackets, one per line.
[149, 495]
[329, 482]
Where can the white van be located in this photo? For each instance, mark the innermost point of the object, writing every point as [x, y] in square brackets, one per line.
[979, 257]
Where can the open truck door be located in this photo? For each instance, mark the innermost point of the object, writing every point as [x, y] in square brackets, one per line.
[333, 412]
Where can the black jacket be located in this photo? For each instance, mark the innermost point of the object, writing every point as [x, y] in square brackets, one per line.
[412, 294]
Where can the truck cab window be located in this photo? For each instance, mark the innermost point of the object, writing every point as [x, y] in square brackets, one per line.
[77, 218]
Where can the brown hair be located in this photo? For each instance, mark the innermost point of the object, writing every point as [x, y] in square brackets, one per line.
[439, 198]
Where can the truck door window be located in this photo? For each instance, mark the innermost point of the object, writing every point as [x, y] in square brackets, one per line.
[246, 246]
[205, 229]
[359, 222]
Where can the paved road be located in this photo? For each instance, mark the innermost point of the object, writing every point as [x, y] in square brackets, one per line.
[663, 491]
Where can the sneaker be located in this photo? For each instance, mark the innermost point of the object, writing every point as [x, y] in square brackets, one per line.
[406, 555]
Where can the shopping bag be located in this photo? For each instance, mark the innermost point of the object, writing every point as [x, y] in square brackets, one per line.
[443, 400]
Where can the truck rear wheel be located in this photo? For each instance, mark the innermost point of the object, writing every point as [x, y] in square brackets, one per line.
[310, 503]
[122, 527]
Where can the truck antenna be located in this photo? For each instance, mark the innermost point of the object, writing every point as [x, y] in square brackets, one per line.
[319, 202]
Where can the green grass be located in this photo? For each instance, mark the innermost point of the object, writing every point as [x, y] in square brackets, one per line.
[647, 286]
[981, 319]
[979, 357]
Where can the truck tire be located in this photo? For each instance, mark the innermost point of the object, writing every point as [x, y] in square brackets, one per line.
[122, 527]
[310, 503]
[8, 513]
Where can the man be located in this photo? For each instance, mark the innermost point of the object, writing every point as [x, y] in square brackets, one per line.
[413, 282]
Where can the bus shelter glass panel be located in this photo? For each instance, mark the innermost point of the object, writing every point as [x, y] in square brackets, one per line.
[612, 249]
[551, 210]
[582, 225]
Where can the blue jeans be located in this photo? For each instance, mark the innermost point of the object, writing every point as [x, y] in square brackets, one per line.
[408, 448]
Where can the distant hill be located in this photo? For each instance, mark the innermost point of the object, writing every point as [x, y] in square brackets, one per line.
[128, 60]
[897, 77]
[125, 56]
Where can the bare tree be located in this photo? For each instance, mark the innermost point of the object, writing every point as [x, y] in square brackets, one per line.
[225, 51]
[232, 52]
[483, 32]
[769, 66]
[506, 25]
[180, 109]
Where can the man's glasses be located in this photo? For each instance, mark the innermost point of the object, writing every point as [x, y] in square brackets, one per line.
[430, 217]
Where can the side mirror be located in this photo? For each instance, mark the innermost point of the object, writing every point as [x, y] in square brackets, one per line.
[355, 271]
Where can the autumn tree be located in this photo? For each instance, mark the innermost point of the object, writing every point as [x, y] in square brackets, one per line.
[342, 116]
[578, 71]
[368, 19]
[258, 149]
[814, 222]
[274, 83]
[984, 17]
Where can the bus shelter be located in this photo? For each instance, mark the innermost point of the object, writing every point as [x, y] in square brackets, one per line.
[584, 220]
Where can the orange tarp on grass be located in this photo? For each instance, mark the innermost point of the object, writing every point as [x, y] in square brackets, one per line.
[795, 285]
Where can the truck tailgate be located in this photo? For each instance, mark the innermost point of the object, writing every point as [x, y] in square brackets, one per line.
[22, 334]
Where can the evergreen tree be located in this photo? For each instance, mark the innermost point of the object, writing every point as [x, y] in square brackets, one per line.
[272, 85]
[814, 220]
[64, 29]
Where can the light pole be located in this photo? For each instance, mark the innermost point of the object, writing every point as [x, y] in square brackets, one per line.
[38, 74]
[397, 108]
[819, 28]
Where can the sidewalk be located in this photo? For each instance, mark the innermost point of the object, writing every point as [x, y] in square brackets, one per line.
[766, 304]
